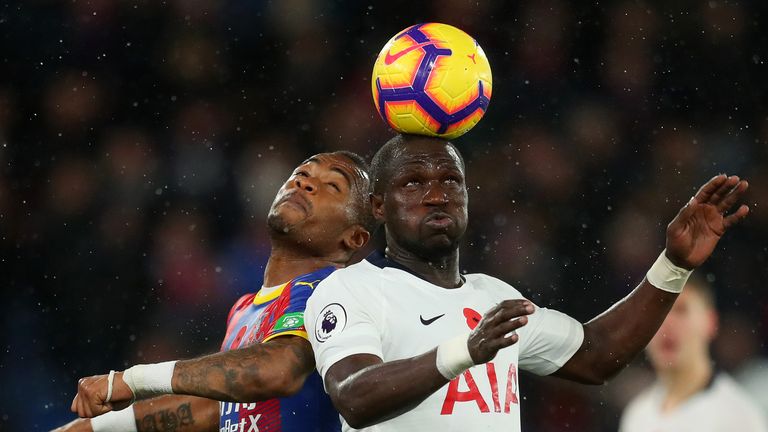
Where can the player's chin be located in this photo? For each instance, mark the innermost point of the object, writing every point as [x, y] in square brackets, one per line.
[285, 220]
[440, 244]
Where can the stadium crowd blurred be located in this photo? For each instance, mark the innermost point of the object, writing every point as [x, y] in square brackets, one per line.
[141, 144]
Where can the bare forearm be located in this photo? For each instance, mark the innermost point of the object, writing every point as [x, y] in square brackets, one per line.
[176, 413]
[385, 390]
[164, 414]
[257, 372]
[615, 337]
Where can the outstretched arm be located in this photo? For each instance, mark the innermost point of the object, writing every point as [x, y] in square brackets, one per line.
[615, 337]
[264, 371]
[164, 414]
[277, 368]
[367, 391]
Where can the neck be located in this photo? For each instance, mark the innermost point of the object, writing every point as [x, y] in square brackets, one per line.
[683, 382]
[442, 271]
[286, 263]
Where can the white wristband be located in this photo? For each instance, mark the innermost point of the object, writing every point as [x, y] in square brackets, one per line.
[115, 421]
[150, 379]
[110, 385]
[453, 357]
[666, 276]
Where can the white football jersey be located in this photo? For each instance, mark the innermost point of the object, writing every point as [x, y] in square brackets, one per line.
[721, 407]
[378, 307]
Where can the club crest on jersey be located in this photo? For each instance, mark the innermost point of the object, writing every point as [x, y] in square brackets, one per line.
[332, 319]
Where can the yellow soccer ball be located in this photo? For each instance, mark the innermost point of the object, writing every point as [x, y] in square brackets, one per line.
[432, 79]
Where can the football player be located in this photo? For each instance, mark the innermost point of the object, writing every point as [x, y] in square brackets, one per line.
[263, 379]
[404, 341]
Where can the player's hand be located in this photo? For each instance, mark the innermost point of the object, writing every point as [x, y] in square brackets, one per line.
[694, 232]
[79, 425]
[493, 331]
[90, 400]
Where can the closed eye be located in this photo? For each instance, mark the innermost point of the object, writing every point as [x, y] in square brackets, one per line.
[335, 186]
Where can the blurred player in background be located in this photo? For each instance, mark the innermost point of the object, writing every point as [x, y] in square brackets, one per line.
[320, 217]
[690, 394]
[405, 342]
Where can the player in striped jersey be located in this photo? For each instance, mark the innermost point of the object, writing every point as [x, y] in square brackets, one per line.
[319, 219]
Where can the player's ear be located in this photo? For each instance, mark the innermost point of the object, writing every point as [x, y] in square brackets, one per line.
[377, 205]
[356, 237]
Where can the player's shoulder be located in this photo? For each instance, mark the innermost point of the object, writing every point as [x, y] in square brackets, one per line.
[487, 282]
[241, 303]
[354, 285]
[731, 398]
[642, 407]
[313, 278]
[358, 273]
[731, 392]
[646, 397]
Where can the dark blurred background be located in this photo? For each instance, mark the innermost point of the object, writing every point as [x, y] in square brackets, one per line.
[141, 143]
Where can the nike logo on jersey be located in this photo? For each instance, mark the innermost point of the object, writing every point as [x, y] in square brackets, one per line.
[391, 58]
[431, 320]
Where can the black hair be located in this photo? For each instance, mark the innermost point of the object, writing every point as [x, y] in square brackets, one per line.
[381, 164]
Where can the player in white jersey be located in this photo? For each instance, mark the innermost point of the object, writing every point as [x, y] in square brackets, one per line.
[406, 343]
[690, 395]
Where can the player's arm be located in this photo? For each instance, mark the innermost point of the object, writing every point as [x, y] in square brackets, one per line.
[276, 368]
[615, 337]
[165, 413]
[365, 390]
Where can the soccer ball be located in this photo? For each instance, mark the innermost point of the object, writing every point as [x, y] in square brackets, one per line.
[432, 79]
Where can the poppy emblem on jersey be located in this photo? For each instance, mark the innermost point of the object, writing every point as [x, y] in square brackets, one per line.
[331, 320]
[473, 317]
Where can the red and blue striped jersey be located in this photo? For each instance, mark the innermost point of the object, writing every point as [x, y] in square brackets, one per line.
[257, 318]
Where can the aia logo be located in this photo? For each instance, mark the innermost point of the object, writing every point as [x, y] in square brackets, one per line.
[473, 392]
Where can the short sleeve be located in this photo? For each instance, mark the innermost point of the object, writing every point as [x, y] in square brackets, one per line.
[338, 323]
[549, 340]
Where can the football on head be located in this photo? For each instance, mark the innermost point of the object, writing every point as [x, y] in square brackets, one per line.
[432, 79]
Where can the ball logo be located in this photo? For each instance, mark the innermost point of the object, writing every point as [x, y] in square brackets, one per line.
[331, 320]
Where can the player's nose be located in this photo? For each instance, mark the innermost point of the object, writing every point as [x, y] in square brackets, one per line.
[435, 194]
[306, 183]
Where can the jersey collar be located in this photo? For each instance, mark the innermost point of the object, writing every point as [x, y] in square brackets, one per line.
[380, 260]
[260, 298]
